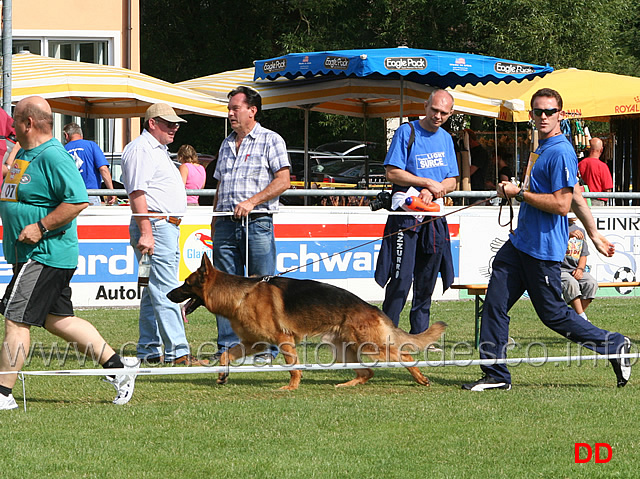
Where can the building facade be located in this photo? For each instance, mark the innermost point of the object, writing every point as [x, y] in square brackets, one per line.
[94, 31]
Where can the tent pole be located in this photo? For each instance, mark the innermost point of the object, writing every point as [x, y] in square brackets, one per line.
[401, 99]
[307, 172]
[495, 147]
[517, 162]
[7, 47]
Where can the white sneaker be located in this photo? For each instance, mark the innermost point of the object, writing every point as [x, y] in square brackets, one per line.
[124, 383]
[8, 402]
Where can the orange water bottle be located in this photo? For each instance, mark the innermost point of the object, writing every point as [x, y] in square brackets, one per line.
[416, 204]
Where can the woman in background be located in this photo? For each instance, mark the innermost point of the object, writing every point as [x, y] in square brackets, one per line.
[193, 174]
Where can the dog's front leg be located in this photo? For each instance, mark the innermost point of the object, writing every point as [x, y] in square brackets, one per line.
[291, 357]
[226, 358]
[223, 377]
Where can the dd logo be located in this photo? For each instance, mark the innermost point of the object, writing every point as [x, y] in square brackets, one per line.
[589, 452]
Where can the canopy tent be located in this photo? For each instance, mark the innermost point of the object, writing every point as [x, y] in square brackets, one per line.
[585, 94]
[429, 67]
[357, 97]
[101, 91]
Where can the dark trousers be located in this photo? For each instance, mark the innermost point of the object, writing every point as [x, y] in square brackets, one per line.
[411, 264]
[513, 273]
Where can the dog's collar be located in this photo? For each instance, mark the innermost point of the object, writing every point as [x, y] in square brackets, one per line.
[266, 279]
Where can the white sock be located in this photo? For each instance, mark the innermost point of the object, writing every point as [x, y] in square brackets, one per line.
[583, 315]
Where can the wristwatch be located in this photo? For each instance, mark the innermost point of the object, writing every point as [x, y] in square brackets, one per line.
[520, 196]
[42, 227]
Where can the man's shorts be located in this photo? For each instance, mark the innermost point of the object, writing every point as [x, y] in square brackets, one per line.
[35, 291]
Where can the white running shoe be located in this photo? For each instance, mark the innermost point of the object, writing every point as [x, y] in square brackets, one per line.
[124, 383]
[7, 402]
[622, 367]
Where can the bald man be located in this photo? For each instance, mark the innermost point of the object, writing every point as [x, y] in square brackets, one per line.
[417, 255]
[595, 172]
[41, 197]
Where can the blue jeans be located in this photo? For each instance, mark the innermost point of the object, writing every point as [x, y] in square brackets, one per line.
[513, 273]
[229, 255]
[160, 320]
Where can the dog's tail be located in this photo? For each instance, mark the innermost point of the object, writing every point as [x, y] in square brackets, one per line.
[422, 340]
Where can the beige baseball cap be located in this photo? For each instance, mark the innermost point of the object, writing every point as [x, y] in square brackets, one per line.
[163, 111]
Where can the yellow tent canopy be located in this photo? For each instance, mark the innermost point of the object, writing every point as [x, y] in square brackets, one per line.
[585, 94]
[345, 96]
[101, 91]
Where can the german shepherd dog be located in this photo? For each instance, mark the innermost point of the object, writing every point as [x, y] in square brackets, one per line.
[282, 311]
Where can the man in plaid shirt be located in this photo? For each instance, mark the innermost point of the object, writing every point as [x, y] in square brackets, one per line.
[252, 171]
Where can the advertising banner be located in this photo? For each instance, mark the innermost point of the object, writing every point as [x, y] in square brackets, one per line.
[335, 245]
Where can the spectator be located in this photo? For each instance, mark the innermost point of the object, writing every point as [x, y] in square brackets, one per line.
[252, 171]
[158, 201]
[40, 240]
[479, 161]
[193, 174]
[595, 173]
[578, 286]
[90, 161]
[7, 147]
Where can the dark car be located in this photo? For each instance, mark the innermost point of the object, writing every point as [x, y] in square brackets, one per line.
[350, 171]
[115, 167]
[353, 148]
[296, 158]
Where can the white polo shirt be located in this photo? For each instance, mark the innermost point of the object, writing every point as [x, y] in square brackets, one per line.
[146, 166]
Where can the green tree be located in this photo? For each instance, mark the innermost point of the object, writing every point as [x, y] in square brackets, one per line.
[192, 38]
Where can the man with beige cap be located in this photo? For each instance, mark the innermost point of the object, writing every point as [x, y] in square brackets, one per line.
[158, 202]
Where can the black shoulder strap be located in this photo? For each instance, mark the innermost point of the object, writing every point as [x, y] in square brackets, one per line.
[412, 138]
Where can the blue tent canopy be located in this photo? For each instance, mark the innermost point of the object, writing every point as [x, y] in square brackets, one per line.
[430, 67]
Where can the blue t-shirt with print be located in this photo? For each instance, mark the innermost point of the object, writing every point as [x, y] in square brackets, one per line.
[540, 234]
[432, 154]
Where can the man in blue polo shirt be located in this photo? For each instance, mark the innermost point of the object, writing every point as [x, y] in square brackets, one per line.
[531, 259]
[90, 160]
[422, 156]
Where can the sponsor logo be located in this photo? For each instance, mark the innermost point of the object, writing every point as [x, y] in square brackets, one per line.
[273, 66]
[336, 63]
[405, 63]
[512, 68]
[195, 246]
[460, 64]
[622, 109]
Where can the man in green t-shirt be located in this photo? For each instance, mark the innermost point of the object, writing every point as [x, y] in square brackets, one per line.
[41, 197]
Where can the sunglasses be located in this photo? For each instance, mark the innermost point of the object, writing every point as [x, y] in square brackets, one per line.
[169, 124]
[549, 112]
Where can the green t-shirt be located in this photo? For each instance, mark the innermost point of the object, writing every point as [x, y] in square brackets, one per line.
[42, 177]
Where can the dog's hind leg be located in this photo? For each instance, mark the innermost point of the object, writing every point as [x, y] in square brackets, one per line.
[415, 372]
[347, 354]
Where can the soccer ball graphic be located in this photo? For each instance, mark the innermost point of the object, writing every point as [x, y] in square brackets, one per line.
[624, 275]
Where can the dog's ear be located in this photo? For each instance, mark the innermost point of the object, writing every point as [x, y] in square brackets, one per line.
[206, 263]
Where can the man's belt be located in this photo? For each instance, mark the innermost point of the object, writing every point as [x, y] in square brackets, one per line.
[174, 220]
[252, 217]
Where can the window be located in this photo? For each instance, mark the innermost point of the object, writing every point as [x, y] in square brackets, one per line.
[77, 50]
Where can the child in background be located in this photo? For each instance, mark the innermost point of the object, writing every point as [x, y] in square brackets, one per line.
[578, 286]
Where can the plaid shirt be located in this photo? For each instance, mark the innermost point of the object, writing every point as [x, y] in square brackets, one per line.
[248, 171]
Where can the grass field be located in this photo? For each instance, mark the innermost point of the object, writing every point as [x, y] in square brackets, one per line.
[186, 426]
